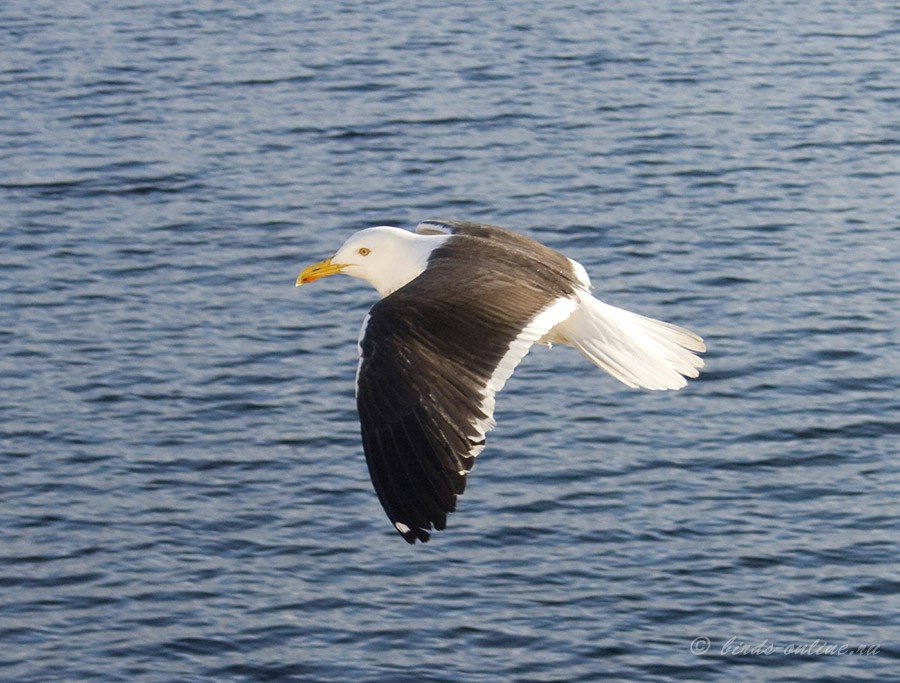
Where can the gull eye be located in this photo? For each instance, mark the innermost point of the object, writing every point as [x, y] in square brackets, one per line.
[364, 251]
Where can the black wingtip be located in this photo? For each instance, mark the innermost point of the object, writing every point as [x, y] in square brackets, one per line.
[412, 535]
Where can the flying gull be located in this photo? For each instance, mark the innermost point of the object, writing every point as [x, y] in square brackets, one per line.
[461, 304]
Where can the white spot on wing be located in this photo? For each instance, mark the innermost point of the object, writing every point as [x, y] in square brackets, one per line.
[401, 527]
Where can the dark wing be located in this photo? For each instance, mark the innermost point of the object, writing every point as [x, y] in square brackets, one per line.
[432, 356]
[500, 238]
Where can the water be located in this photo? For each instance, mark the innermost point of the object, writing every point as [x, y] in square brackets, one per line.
[183, 492]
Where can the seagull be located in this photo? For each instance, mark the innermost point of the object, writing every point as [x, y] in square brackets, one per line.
[461, 304]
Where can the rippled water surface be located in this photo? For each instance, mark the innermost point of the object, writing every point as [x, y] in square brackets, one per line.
[183, 491]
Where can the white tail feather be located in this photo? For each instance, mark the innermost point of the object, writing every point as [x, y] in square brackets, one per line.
[638, 351]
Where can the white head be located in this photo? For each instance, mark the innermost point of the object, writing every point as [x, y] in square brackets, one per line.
[385, 257]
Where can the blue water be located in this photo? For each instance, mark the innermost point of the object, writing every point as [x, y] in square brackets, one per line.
[182, 491]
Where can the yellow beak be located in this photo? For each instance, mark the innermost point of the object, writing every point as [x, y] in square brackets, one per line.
[317, 270]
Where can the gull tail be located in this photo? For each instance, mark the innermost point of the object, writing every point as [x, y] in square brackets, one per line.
[641, 352]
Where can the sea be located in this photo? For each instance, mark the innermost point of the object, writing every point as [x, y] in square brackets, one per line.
[183, 494]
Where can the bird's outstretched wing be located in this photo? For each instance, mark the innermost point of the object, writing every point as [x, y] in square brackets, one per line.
[432, 356]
